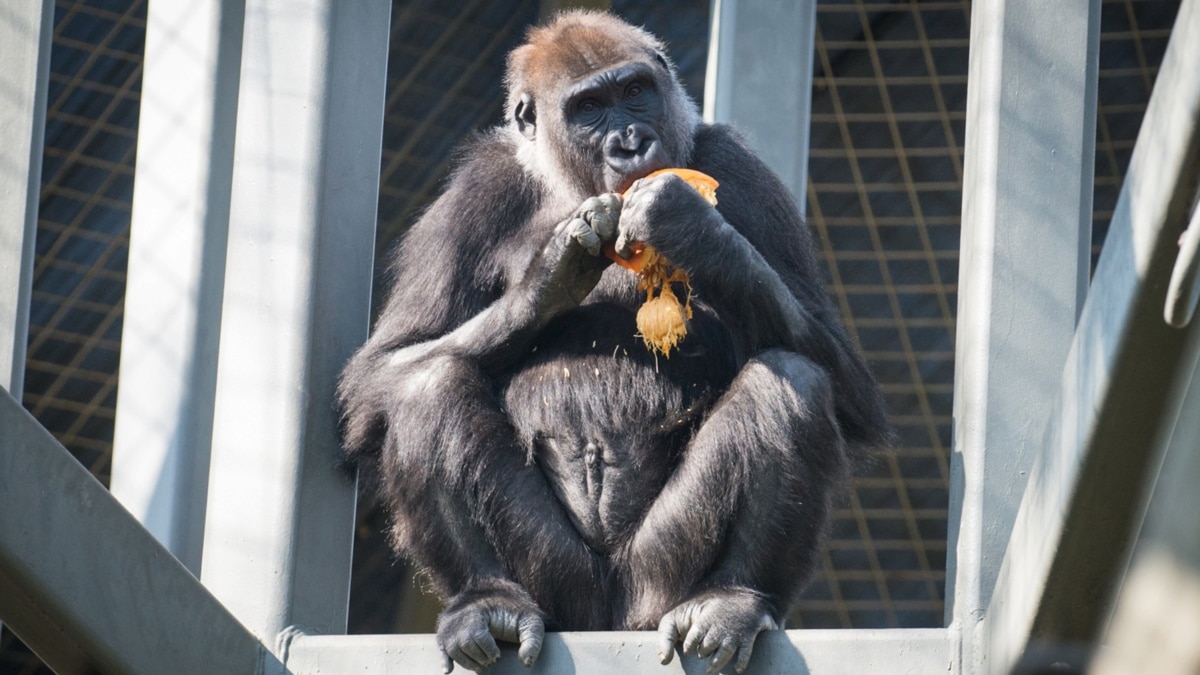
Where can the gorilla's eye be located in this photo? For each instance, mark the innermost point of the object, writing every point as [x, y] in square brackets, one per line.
[633, 90]
[588, 105]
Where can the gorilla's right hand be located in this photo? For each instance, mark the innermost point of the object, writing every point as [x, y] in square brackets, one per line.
[595, 221]
[468, 628]
[571, 263]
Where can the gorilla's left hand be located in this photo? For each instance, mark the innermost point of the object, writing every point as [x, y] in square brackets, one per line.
[670, 215]
[470, 625]
[721, 623]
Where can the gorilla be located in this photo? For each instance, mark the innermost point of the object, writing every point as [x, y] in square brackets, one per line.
[540, 465]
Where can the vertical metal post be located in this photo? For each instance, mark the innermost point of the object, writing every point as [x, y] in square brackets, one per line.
[25, 52]
[177, 268]
[280, 517]
[759, 78]
[1027, 195]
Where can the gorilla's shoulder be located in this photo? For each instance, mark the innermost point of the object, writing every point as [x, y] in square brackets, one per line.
[719, 141]
[488, 159]
[751, 188]
[486, 180]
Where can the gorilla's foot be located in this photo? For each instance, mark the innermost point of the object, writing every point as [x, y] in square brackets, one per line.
[720, 623]
[468, 628]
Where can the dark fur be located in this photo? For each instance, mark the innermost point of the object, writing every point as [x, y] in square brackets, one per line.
[539, 461]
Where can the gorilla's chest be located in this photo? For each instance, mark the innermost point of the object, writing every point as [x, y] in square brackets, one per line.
[604, 419]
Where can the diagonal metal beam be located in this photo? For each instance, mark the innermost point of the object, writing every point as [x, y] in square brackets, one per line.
[1154, 623]
[85, 585]
[1071, 539]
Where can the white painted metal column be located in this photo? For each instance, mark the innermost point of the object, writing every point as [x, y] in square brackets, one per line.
[280, 517]
[177, 268]
[759, 79]
[25, 29]
[25, 51]
[1084, 501]
[1027, 210]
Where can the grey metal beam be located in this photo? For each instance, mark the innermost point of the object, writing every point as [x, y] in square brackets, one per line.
[795, 652]
[1027, 193]
[85, 585]
[1157, 615]
[280, 519]
[760, 65]
[177, 268]
[1070, 542]
[25, 29]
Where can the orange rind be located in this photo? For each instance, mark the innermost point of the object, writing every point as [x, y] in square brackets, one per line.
[662, 320]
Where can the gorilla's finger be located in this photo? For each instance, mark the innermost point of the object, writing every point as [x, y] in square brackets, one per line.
[487, 649]
[604, 220]
[461, 658]
[723, 655]
[612, 202]
[471, 655]
[622, 244]
[745, 651]
[695, 636]
[668, 636]
[447, 662]
[709, 644]
[580, 231]
[604, 224]
[532, 634]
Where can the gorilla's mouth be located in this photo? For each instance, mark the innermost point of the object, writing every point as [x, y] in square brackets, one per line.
[627, 180]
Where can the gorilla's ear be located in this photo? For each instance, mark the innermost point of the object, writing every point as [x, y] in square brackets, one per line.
[662, 60]
[526, 116]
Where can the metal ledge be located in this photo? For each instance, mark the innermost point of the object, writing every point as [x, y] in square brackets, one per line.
[895, 651]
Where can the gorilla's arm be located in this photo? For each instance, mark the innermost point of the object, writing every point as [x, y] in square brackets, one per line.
[727, 269]
[475, 279]
[477, 276]
[751, 260]
[484, 269]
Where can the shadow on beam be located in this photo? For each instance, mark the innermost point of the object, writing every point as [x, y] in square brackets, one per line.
[86, 586]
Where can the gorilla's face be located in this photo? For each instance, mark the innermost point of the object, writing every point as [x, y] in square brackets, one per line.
[614, 120]
[597, 126]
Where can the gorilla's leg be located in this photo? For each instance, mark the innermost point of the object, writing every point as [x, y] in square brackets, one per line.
[735, 533]
[479, 520]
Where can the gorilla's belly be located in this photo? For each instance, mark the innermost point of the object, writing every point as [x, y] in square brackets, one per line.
[606, 429]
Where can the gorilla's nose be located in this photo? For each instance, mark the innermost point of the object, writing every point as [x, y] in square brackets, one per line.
[629, 150]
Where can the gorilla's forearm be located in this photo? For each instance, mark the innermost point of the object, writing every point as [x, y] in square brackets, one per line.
[735, 279]
[493, 339]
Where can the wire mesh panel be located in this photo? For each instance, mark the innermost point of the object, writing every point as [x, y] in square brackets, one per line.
[884, 195]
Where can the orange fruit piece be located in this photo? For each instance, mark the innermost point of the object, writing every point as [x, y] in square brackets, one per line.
[703, 183]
